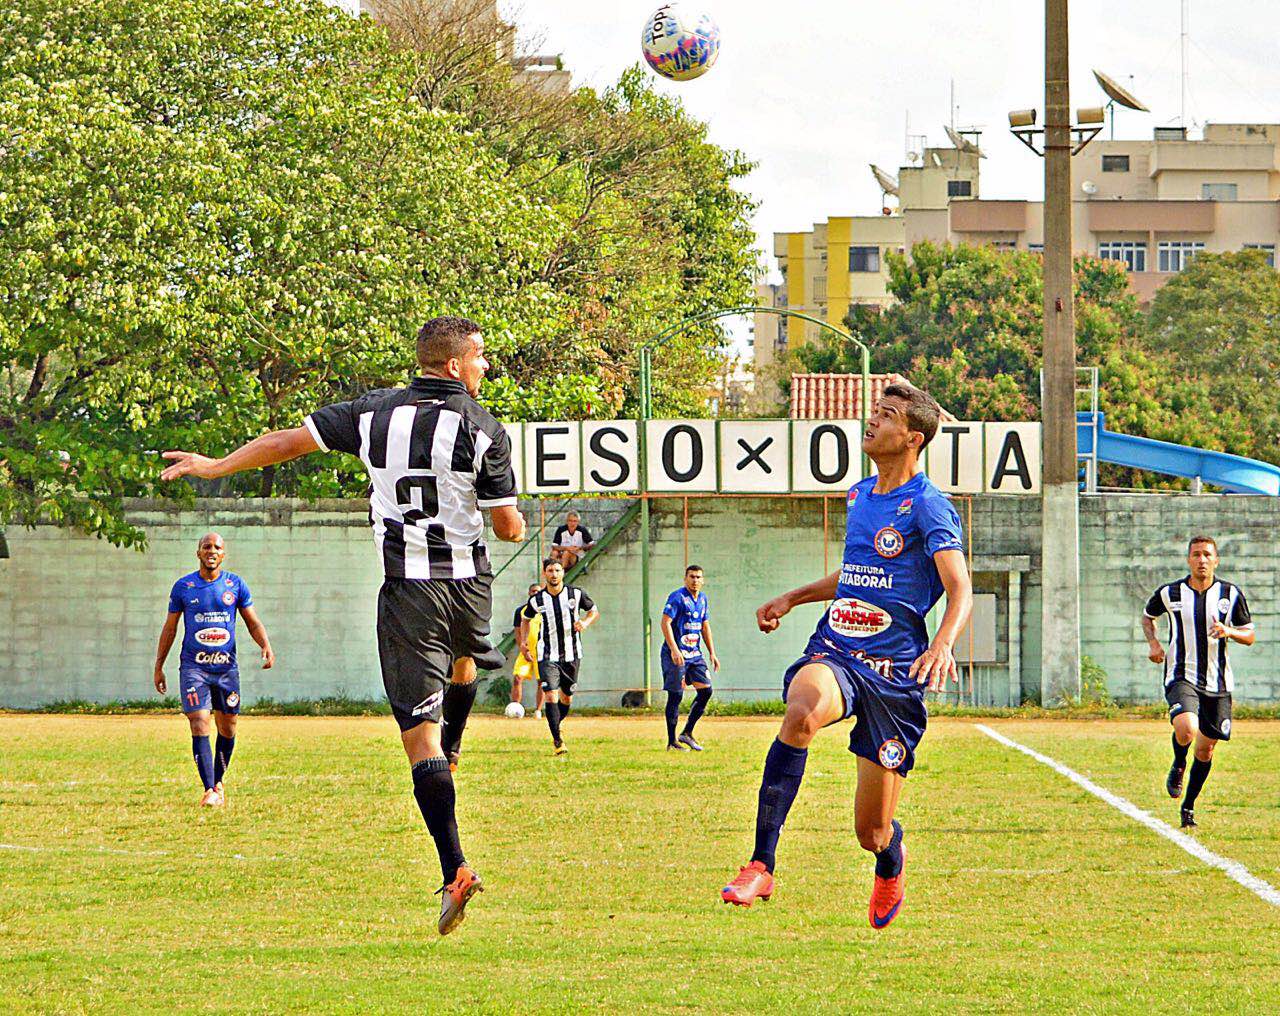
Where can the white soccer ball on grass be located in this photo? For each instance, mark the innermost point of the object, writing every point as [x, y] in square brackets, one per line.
[515, 711]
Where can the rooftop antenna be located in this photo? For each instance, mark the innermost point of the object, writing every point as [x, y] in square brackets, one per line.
[1185, 14]
[1118, 94]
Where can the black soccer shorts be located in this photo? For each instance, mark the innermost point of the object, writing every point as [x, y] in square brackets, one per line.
[562, 676]
[1213, 710]
[423, 626]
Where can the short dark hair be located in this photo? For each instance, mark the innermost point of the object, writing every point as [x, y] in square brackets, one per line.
[1202, 539]
[923, 411]
[443, 338]
[692, 567]
[548, 561]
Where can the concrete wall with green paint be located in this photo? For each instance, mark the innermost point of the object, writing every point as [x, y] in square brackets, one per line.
[79, 619]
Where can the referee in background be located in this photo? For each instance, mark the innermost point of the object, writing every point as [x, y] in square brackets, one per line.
[1205, 613]
[435, 458]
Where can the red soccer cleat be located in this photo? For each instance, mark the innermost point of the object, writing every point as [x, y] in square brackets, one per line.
[886, 896]
[753, 881]
[453, 905]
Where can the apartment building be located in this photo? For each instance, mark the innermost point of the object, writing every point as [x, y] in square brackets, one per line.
[1152, 204]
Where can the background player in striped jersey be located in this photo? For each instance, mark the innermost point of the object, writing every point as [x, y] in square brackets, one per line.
[685, 626]
[870, 656]
[435, 458]
[559, 642]
[526, 664]
[1205, 613]
[208, 600]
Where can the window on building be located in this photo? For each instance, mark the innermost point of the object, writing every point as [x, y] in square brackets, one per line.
[1133, 254]
[1175, 255]
[1036, 248]
[864, 259]
[959, 188]
[1268, 248]
[1115, 163]
[1217, 192]
[1004, 244]
[819, 287]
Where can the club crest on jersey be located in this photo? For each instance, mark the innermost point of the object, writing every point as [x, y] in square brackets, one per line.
[905, 507]
[233, 700]
[853, 494]
[228, 597]
[889, 542]
[1224, 604]
[1226, 728]
[892, 753]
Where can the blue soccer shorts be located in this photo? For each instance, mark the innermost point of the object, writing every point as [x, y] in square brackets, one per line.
[891, 716]
[201, 689]
[673, 677]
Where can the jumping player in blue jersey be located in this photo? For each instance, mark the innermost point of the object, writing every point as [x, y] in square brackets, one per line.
[870, 656]
[686, 625]
[208, 679]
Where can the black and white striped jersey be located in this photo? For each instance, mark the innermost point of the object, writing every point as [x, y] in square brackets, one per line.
[557, 641]
[435, 458]
[1192, 655]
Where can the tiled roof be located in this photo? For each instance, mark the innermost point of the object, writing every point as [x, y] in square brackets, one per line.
[838, 396]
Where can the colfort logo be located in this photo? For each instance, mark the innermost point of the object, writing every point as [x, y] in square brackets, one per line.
[213, 659]
[213, 636]
[857, 619]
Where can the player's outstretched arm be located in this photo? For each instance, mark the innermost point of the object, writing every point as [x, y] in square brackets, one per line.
[937, 663]
[258, 632]
[267, 450]
[1155, 651]
[768, 616]
[587, 620]
[167, 634]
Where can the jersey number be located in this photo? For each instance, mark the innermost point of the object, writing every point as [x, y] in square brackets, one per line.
[427, 503]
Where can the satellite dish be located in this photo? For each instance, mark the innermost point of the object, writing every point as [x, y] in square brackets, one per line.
[913, 157]
[1118, 93]
[963, 144]
[887, 183]
[1089, 187]
[935, 159]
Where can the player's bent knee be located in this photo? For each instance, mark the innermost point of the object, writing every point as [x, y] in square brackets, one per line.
[874, 838]
[800, 725]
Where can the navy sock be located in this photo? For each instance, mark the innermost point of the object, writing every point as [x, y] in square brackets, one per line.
[783, 770]
[696, 710]
[551, 710]
[673, 714]
[458, 700]
[203, 755]
[1199, 773]
[222, 757]
[433, 790]
[889, 860]
[1180, 753]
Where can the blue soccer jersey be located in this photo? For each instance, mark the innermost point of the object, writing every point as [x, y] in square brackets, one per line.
[208, 612]
[888, 579]
[687, 615]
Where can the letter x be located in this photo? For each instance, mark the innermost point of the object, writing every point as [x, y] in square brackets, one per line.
[754, 454]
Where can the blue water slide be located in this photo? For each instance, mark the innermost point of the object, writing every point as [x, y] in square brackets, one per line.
[1233, 473]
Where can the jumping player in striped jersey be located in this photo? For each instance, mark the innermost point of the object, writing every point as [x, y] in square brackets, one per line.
[561, 609]
[1205, 613]
[435, 459]
[870, 657]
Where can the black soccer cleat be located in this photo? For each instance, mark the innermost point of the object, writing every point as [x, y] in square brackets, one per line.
[1188, 818]
[1173, 782]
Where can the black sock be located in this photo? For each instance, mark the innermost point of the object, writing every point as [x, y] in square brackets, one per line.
[203, 754]
[696, 710]
[458, 700]
[673, 714]
[222, 757]
[889, 860]
[783, 770]
[551, 710]
[1180, 753]
[564, 710]
[1199, 773]
[433, 790]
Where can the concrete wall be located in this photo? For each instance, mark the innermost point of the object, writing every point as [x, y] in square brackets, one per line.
[79, 619]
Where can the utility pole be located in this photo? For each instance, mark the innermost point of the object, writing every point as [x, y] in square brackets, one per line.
[1060, 525]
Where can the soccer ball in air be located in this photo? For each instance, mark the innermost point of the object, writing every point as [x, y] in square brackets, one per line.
[515, 711]
[679, 44]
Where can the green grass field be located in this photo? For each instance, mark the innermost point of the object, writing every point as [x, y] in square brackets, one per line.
[312, 890]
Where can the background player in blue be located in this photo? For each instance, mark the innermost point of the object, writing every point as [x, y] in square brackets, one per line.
[685, 626]
[208, 679]
[870, 656]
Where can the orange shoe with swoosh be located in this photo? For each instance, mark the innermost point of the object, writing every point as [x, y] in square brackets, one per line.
[886, 896]
[753, 882]
[455, 896]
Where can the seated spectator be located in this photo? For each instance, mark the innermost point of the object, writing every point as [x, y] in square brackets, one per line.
[571, 542]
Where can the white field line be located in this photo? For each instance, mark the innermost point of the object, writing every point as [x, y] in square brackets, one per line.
[29, 849]
[1232, 869]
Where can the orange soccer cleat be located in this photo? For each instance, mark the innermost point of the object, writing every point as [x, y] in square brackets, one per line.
[453, 905]
[753, 881]
[886, 896]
